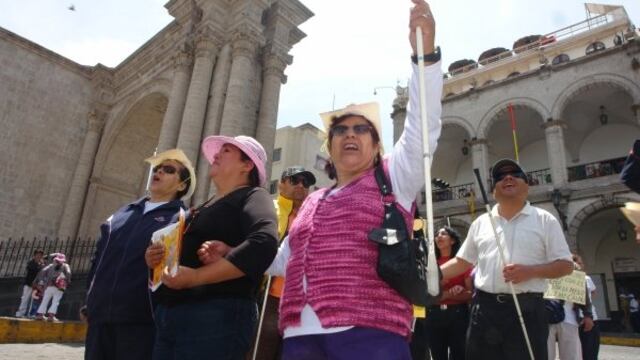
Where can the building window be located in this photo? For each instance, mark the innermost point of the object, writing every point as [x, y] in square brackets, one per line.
[594, 47]
[562, 58]
[273, 187]
[320, 163]
[277, 154]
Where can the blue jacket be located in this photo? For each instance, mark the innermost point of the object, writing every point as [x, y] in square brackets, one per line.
[119, 277]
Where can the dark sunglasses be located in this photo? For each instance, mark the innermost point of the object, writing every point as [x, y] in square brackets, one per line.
[341, 130]
[515, 174]
[167, 169]
[297, 180]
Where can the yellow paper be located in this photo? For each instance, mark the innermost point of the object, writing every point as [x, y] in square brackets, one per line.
[419, 311]
[568, 288]
[632, 211]
[171, 238]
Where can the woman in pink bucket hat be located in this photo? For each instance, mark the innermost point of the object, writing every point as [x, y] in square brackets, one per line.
[208, 309]
[55, 278]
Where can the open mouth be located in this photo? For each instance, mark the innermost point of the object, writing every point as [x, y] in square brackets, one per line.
[155, 178]
[350, 147]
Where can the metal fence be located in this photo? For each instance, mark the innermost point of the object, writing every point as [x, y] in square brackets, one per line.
[15, 253]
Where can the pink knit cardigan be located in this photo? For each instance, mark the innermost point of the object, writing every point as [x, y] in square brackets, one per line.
[329, 246]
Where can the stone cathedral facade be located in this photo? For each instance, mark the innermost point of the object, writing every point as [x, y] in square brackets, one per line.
[74, 137]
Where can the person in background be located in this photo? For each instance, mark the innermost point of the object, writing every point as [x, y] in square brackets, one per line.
[634, 313]
[589, 339]
[535, 250]
[566, 332]
[119, 310]
[207, 309]
[55, 278]
[293, 189]
[447, 321]
[33, 268]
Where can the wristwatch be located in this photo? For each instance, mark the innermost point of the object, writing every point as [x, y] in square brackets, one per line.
[433, 57]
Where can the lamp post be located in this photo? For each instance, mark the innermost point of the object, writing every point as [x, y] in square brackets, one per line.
[556, 199]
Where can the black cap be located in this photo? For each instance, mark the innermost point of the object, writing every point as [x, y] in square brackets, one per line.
[299, 170]
[505, 165]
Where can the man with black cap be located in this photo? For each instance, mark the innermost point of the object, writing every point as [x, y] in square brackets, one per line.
[535, 250]
[293, 188]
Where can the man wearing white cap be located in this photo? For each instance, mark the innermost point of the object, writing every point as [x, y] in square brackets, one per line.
[118, 303]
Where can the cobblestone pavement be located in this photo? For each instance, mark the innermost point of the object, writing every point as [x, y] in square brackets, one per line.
[76, 352]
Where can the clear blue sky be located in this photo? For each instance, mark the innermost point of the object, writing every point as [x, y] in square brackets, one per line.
[352, 46]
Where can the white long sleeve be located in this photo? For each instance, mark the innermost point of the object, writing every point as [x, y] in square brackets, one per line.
[406, 164]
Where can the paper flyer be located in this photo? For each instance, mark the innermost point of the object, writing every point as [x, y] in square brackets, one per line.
[171, 237]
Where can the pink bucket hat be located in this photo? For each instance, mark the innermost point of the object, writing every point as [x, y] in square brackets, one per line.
[60, 258]
[248, 145]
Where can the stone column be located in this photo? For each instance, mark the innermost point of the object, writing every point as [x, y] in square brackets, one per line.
[480, 160]
[556, 153]
[212, 122]
[173, 115]
[236, 117]
[635, 110]
[399, 114]
[272, 78]
[196, 105]
[78, 190]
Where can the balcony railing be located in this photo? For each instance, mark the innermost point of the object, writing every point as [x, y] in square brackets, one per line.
[539, 177]
[558, 35]
[596, 169]
[453, 193]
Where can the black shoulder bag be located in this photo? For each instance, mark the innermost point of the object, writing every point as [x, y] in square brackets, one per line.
[402, 261]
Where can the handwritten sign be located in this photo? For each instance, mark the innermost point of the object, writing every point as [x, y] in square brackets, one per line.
[568, 288]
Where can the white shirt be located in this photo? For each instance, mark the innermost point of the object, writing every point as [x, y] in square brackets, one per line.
[531, 237]
[591, 287]
[406, 172]
[148, 205]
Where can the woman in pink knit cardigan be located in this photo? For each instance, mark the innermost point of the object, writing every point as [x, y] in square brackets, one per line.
[334, 304]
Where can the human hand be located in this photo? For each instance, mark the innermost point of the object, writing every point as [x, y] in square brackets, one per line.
[184, 278]
[587, 323]
[212, 251]
[517, 273]
[153, 255]
[455, 290]
[421, 16]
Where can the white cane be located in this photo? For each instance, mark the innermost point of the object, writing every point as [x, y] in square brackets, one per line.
[433, 278]
[502, 258]
[262, 311]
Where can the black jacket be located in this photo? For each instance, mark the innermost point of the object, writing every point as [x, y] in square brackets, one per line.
[119, 277]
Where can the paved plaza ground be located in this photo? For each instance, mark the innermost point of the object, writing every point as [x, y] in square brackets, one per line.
[76, 352]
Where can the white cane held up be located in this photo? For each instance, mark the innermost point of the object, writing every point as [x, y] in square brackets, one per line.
[433, 278]
[502, 258]
[262, 311]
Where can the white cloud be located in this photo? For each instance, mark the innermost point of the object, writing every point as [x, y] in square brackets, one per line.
[107, 51]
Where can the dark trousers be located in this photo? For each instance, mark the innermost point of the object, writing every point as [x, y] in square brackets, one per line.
[590, 341]
[119, 341]
[270, 345]
[419, 341]
[210, 329]
[354, 344]
[447, 330]
[495, 332]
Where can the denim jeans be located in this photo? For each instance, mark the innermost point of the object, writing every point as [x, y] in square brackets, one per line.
[212, 329]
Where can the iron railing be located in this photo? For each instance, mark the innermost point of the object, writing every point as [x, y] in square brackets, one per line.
[14, 254]
[596, 169]
[452, 193]
[539, 177]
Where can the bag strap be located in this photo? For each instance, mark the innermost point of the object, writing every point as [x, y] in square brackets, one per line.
[383, 184]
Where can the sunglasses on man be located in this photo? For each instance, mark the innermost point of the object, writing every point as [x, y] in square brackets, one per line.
[167, 169]
[341, 130]
[295, 180]
[516, 174]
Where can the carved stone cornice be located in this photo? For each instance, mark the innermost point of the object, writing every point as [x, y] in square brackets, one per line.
[182, 60]
[275, 64]
[244, 44]
[551, 123]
